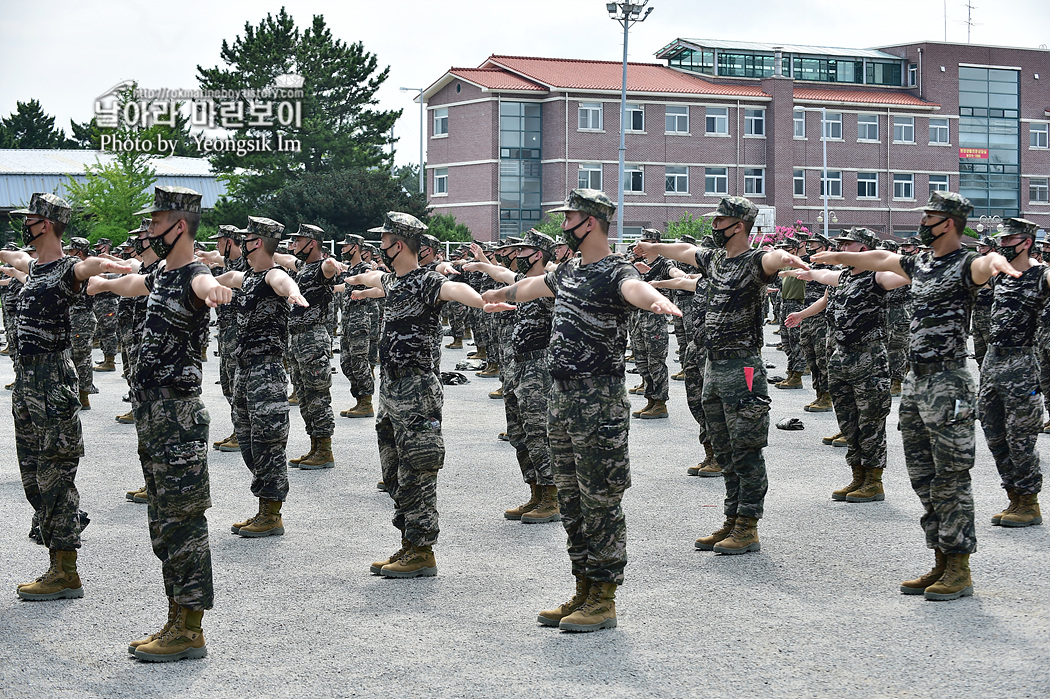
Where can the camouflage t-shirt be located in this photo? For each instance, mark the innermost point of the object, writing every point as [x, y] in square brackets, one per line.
[659, 270]
[942, 298]
[226, 313]
[736, 292]
[42, 308]
[173, 333]
[360, 268]
[589, 322]
[317, 289]
[532, 323]
[699, 302]
[413, 307]
[139, 303]
[857, 309]
[1017, 306]
[262, 318]
[814, 291]
[898, 298]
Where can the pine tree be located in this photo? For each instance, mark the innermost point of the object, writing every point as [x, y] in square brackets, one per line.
[30, 127]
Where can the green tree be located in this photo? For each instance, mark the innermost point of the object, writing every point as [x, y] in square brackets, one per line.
[88, 135]
[105, 203]
[30, 127]
[339, 129]
[688, 225]
[445, 227]
[551, 225]
[408, 176]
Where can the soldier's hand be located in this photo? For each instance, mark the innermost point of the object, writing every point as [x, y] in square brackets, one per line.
[793, 320]
[357, 295]
[471, 266]
[1000, 265]
[298, 300]
[218, 295]
[493, 295]
[114, 266]
[790, 260]
[94, 285]
[643, 249]
[826, 257]
[642, 267]
[665, 307]
[497, 307]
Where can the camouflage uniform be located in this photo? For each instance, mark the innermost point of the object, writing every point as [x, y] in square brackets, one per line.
[1042, 355]
[375, 328]
[792, 295]
[696, 359]
[652, 335]
[310, 359]
[105, 308]
[813, 335]
[82, 324]
[354, 338]
[226, 318]
[979, 324]
[897, 320]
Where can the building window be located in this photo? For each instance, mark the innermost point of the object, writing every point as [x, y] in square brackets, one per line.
[676, 180]
[938, 131]
[799, 118]
[754, 181]
[520, 148]
[1038, 135]
[716, 180]
[441, 180]
[867, 185]
[903, 129]
[676, 119]
[833, 125]
[938, 183]
[912, 74]
[717, 121]
[867, 127]
[755, 122]
[904, 186]
[590, 116]
[1039, 190]
[441, 122]
[990, 127]
[798, 178]
[635, 117]
[833, 183]
[885, 73]
[590, 176]
[633, 180]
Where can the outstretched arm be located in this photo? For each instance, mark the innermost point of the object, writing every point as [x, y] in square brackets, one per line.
[497, 272]
[813, 309]
[987, 266]
[526, 290]
[645, 296]
[98, 265]
[284, 285]
[370, 293]
[372, 279]
[210, 291]
[875, 260]
[683, 252]
[17, 259]
[232, 279]
[128, 285]
[463, 293]
[775, 260]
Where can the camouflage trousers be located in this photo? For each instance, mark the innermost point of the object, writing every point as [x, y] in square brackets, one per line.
[652, 361]
[1010, 408]
[310, 363]
[526, 392]
[49, 443]
[693, 368]
[936, 422]
[979, 328]
[480, 328]
[82, 326]
[814, 338]
[106, 324]
[375, 314]
[587, 425]
[227, 343]
[859, 384]
[634, 342]
[1042, 357]
[457, 319]
[173, 437]
[792, 337]
[897, 345]
[353, 353]
[738, 422]
[504, 323]
[681, 332]
[260, 421]
[411, 449]
[776, 301]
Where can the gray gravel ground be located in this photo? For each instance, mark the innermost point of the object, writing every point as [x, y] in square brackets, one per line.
[816, 613]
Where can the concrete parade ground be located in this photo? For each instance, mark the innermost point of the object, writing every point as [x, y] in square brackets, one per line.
[816, 613]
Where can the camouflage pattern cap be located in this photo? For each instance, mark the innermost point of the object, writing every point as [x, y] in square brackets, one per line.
[590, 202]
[890, 245]
[405, 225]
[988, 242]
[735, 207]
[143, 226]
[539, 241]
[174, 199]
[1018, 226]
[651, 234]
[47, 205]
[352, 239]
[948, 203]
[264, 227]
[512, 240]
[227, 231]
[79, 244]
[686, 238]
[819, 239]
[429, 241]
[859, 234]
[12, 246]
[104, 241]
[308, 231]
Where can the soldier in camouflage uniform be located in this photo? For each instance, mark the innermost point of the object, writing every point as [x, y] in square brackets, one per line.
[792, 295]
[171, 419]
[82, 324]
[683, 298]
[48, 436]
[1009, 404]
[650, 358]
[1042, 347]
[735, 394]
[356, 330]
[937, 403]
[982, 309]
[370, 254]
[897, 319]
[588, 414]
[408, 416]
[814, 333]
[105, 308]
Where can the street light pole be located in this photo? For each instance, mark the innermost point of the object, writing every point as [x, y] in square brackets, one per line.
[626, 13]
[422, 133]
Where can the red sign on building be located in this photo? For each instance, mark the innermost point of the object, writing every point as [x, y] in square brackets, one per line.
[970, 153]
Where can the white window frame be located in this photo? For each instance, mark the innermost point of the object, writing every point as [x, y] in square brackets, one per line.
[1041, 132]
[593, 110]
[1040, 183]
[591, 169]
[629, 172]
[798, 175]
[833, 183]
[866, 137]
[717, 175]
[939, 185]
[904, 129]
[755, 181]
[440, 123]
[716, 119]
[633, 109]
[831, 123]
[676, 182]
[903, 187]
[871, 181]
[939, 128]
[677, 116]
[441, 182]
[798, 123]
[755, 123]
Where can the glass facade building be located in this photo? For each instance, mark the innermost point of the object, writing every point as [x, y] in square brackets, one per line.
[520, 149]
[989, 140]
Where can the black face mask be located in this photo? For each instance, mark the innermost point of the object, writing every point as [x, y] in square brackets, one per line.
[522, 264]
[719, 236]
[159, 246]
[138, 245]
[301, 255]
[926, 236]
[1011, 253]
[245, 252]
[387, 257]
[27, 232]
[569, 236]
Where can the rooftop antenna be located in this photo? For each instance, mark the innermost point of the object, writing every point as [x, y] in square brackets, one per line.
[946, 21]
[970, 7]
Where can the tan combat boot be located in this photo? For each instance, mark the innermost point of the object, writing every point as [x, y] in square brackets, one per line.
[547, 508]
[637, 390]
[107, 364]
[871, 489]
[85, 402]
[184, 639]
[955, 582]
[793, 380]
[598, 612]
[362, 409]
[707, 543]
[919, 584]
[219, 443]
[657, 411]
[313, 447]
[840, 441]
[1046, 427]
[553, 617]
[416, 562]
[497, 394]
[173, 612]
[479, 353]
[648, 404]
[1025, 514]
[491, 371]
[377, 567]
[294, 398]
[709, 466]
[895, 387]
[742, 539]
[517, 512]
[140, 496]
[821, 405]
[680, 376]
[230, 444]
[322, 456]
[457, 343]
[858, 481]
[267, 523]
[61, 581]
[236, 527]
[127, 418]
[1013, 495]
[831, 440]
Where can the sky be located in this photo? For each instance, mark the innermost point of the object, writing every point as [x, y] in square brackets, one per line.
[84, 47]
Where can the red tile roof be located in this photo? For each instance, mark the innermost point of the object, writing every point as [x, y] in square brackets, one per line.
[496, 79]
[820, 94]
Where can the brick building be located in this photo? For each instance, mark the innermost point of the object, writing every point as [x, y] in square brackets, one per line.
[508, 139]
